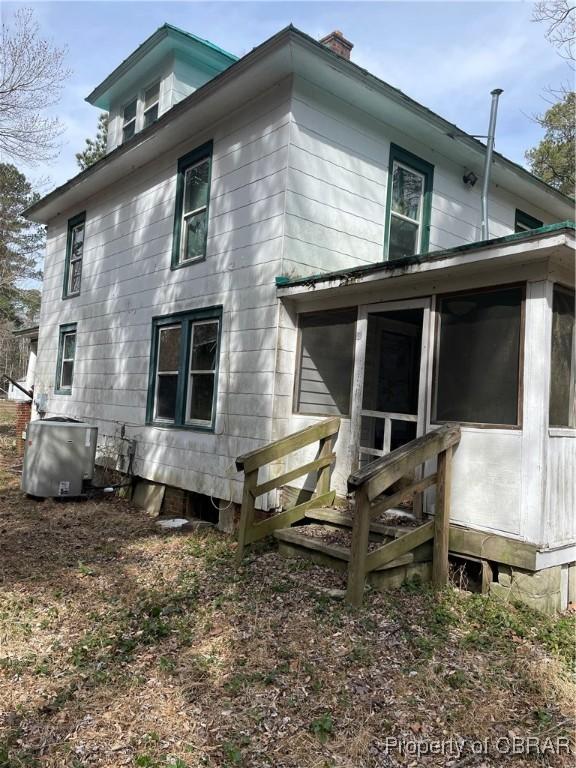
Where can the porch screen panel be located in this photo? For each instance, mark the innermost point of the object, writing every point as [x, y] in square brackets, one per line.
[326, 362]
[563, 362]
[478, 357]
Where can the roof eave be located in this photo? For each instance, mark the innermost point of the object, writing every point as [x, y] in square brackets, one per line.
[414, 264]
[143, 49]
[287, 36]
[34, 212]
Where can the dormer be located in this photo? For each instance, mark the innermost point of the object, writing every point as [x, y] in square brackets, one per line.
[168, 66]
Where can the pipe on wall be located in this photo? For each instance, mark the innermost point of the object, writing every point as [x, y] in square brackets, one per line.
[485, 229]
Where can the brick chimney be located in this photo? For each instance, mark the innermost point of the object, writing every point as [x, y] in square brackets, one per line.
[338, 43]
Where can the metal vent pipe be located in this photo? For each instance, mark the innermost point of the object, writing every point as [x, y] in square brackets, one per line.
[485, 229]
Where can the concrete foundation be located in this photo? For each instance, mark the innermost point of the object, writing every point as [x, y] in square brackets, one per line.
[546, 590]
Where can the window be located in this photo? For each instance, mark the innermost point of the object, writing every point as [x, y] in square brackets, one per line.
[184, 369]
[65, 364]
[191, 214]
[477, 366]
[562, 411]
[151, 103]
[326, 359]
[129, 120]
[74, 255]
[409, 204]
[523, 222]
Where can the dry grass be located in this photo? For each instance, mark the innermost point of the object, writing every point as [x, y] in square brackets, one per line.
[122, 646]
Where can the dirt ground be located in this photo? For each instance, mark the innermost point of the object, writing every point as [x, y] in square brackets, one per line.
[122, 646]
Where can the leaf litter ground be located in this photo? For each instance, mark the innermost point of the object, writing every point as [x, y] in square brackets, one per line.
[123, 646]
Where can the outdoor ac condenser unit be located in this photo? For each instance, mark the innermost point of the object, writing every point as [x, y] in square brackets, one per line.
[58, 458]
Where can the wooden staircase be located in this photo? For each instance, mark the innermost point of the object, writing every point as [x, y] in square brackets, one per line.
[355, 541]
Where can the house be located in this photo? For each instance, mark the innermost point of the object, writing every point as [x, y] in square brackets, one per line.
[282, 238]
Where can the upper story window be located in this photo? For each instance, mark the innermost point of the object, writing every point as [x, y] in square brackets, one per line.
[151, 104]
[129, 120]
[184, 369]
[523, 222]
[191, 212]
[409, 204]
[66, 356]
[74, 256]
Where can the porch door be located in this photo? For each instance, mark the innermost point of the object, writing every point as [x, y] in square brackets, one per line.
[390, 392]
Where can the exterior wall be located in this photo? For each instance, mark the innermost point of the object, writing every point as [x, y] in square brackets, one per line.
[188, 77]
[560, 509]
[127, 280]
[298, 186]
[337, 184]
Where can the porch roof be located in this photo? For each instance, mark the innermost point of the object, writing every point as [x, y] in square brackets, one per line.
[551, 241]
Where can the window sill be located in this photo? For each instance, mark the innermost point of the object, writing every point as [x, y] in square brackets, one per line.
[62, 391]
[189, 263]
[479, 425]
[344, 417]
[562, 431]
[70, 296]
[186, 427]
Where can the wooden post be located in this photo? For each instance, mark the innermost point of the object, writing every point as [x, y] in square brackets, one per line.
[442, 519]
[359, 549]
[323, 481]
[246, 512]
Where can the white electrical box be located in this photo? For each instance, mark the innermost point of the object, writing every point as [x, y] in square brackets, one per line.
[58, 458]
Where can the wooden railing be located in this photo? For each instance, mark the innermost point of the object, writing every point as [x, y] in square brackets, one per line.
[369, 485]
[325, 433]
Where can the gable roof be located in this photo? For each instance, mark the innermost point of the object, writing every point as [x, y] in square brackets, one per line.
[260, 69]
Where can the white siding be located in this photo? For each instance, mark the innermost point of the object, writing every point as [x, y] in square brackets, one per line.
[337, 182]
[298, 187]
[560, 514]
[127, 281]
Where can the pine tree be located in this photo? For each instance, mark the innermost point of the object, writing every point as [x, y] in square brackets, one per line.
[95, 148]
[21, 244]
[553, 160]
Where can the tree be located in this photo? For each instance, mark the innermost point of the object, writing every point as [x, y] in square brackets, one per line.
[21, 244]
[560, 18]
[95, 148]
[32, 74]
[553, 160]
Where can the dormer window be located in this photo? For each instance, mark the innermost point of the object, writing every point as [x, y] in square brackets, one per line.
[151, 104]
[129, 120]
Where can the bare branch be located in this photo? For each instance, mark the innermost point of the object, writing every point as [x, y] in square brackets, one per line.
[559, 16]
[32, 75]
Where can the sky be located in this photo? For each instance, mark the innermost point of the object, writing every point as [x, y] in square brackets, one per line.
[446, 55]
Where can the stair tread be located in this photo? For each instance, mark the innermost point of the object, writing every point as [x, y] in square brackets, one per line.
[331, 515]
[302, 536]
[294, 536]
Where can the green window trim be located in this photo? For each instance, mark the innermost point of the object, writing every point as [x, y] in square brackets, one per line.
[523, 222]
[192, 158]
[63, 331]
[72, 225]
[186, 321]
[425, 169]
